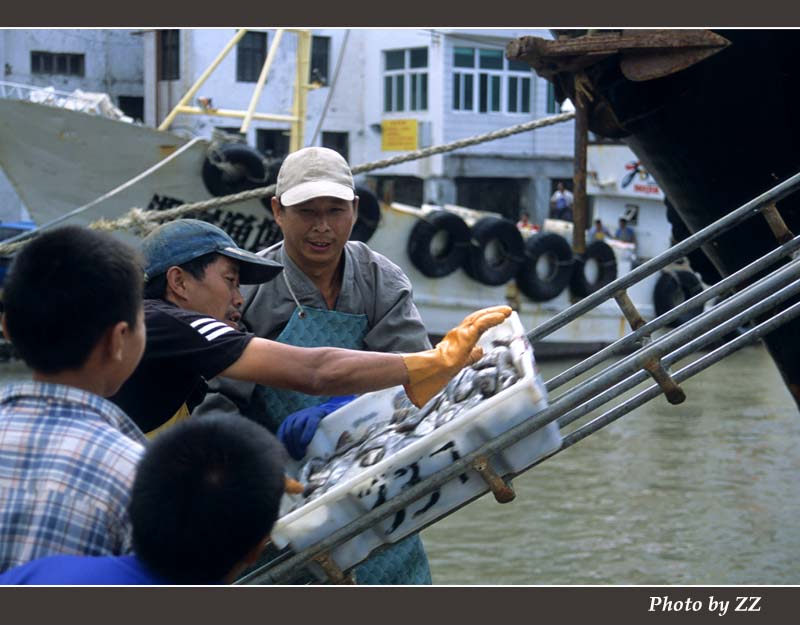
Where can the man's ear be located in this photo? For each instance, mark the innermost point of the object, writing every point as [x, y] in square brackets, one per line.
[276, 209]
[355, 205]
[176, 281]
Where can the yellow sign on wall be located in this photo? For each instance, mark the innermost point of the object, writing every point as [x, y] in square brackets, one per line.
[399, 135]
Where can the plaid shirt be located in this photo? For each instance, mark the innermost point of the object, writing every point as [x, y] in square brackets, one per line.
[67, 460]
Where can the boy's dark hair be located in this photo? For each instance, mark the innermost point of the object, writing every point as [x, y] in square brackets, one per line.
[156, 287]
[64, 289]
[206, 492]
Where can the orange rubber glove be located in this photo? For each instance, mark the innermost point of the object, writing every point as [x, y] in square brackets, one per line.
[431, 370]
[291, 486]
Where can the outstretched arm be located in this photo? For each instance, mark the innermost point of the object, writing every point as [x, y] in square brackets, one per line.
[335, 371]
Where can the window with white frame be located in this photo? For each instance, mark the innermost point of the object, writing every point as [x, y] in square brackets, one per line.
[484, 81]
[405, 80]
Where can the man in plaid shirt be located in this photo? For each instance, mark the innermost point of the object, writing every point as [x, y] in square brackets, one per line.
[73, 309]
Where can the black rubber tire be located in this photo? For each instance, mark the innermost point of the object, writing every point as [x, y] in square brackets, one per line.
[494, 234]
[369, 215]
[672, 289]
[698, 260]
[250, 175]
[436, 225]
[273, 166]
[557, 250]
[604, 256]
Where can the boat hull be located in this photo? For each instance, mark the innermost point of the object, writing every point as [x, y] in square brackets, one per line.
[715, 136]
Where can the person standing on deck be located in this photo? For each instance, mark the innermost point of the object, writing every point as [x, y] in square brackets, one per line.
[332, 292]
[561, 203]
[598, 231]
[625, 233]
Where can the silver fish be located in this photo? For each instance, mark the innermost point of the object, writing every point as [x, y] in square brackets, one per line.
[486, 381]
[497, 357]
[464, 384]
[494, 372]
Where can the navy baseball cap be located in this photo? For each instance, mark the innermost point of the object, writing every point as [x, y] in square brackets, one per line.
[180, 241]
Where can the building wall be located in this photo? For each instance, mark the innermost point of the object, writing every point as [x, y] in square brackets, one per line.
[113, 59]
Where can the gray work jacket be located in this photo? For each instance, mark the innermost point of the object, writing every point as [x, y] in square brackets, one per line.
[371, 285]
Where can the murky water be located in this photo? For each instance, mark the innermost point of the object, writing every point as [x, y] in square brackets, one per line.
[702, 493]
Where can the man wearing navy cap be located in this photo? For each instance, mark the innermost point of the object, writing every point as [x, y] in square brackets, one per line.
[192, 300]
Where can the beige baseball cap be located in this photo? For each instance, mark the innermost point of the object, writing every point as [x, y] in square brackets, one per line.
[314, 172]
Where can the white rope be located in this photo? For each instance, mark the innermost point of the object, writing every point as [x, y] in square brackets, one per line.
[142, 222]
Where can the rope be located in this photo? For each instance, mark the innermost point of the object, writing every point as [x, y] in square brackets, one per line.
[142, 222]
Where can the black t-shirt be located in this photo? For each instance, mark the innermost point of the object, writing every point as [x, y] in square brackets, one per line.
[183, 350]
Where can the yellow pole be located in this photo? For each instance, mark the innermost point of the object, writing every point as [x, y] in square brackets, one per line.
[300, 90]
[262, 78]
[196, 110]
[195, 88]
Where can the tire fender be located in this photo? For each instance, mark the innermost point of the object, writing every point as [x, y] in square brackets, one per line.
[545, 283]
[600, 253]
[438, 243]
[496, 251]
[233, 168]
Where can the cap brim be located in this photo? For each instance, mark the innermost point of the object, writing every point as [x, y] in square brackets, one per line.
[316, 188]
[253, 269]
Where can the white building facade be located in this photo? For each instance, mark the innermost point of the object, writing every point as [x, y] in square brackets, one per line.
[443, 84]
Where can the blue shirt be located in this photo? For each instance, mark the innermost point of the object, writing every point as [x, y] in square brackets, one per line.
[67, 463]
[82, 570]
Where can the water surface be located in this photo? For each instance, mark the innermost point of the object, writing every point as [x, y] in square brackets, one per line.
[702, 493]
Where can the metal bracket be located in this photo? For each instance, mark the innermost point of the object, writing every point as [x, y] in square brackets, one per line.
[628, 309]
[334, 573]
[670, 388]
[672, 391]
[503, 493]
[776, 224]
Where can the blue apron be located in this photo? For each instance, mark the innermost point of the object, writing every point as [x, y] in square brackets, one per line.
[404, 562]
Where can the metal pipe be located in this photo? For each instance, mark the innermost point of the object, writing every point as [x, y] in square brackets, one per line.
[297, 137]
[747, 210]
[720, 287]
[203, 77]
[718, 331]
[196, 110]
[262, 78]
[687, 372]
[761, 294]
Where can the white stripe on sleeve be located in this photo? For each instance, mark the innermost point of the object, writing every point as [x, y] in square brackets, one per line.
[219, 332]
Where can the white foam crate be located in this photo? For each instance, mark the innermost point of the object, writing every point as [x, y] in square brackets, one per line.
[354, 497]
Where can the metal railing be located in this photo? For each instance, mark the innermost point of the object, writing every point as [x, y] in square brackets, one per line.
[754, 301]
[49, 96]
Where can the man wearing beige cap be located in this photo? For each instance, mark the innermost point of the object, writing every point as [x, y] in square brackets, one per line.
[332, 292]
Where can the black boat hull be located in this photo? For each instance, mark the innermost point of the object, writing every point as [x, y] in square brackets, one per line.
[714, 136]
